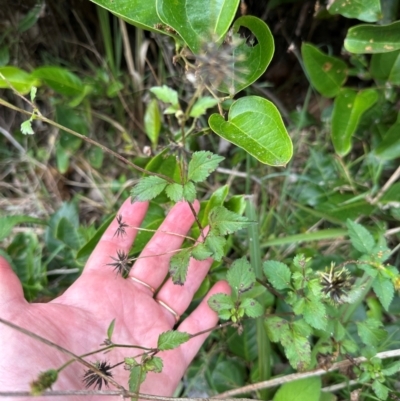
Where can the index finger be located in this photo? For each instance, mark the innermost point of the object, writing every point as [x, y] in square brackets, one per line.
[116, 239]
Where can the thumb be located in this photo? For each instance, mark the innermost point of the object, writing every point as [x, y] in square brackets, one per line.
[10, 286]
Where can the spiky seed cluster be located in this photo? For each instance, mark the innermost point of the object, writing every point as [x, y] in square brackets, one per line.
[121, 230]
[122, 262]
[217, 64]
[93, 378]
[336, 283]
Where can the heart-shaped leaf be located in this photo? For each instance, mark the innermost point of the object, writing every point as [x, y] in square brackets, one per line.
[140, 13]
[327, 74]
[249, 61]
[197, 22]
[373, 38]
[255, 125]
[348, 108]
[365, 10]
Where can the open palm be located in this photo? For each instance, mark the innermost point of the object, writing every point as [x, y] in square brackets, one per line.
[79, 318]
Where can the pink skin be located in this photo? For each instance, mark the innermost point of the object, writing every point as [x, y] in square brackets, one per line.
[79, 318]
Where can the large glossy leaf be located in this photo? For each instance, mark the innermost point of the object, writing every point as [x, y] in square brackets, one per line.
[255, 125]
[140, 13]
[389, 148]
[348, 108]
[60, 80]
[365, 10]
[198, 22]
[20, 80]
[250, 61]
[327, 74]
[373, 38]
[386, 67]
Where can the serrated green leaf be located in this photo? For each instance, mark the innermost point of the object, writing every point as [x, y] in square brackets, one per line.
[391, 369]
[26, 128]
[380, 390]
[278, 274]
[384, 290]
[369, 38]
[308, 389]
[174, 192]
[241, 276]
[110, 329]
[360, 237]
[296, 345]
[166, 94]
[348, 108]
[148, 188]
[314, 313]
[223, 222]
[152, 122]
[327, 73]
[365, 10]
[255, 125]
[172, 339]
[371, 333]
[276, 328]
[220, 302]
[202, 164]
[215, 244]
[201, 105]
[189, 192]
[154, 364]
[137, 375]
[178, 266]
[201, 252]
[252, 308]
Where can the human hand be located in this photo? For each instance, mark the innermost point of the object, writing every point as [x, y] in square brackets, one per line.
[79, 318]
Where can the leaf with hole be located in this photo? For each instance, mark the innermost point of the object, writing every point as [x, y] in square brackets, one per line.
[255, 125]
[367, 39]
[327, 74]
[349, 106]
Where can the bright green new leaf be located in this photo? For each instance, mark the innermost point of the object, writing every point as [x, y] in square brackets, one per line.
[297, 347]
[348, 108]
[148, 188]
[26, 128]
[201, 105]
[360, 237]
[110, 329]
[20, 80]
[365, 10]
[276, 328]
[278, 274]
[371, 333]
[241, 276]
[249, 61]
[178, 266]
[300, 390]
[255, 125]
[140, 13]
[166, 94]
[380, 390]
[327, 74]
[60, 80]
[137, 375]
[220, 302]
[386, 67]
[252, 308]
[172, 339]
[215, 244]
[152, 122]
[389, 148]
[367, 38]
[154, 364]
[7, 223]
[174, 192]
[384, 290]
[201, 252]
[202, 164]
[314, 312]
[198, 22]
[33, 93]
[223, 222]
